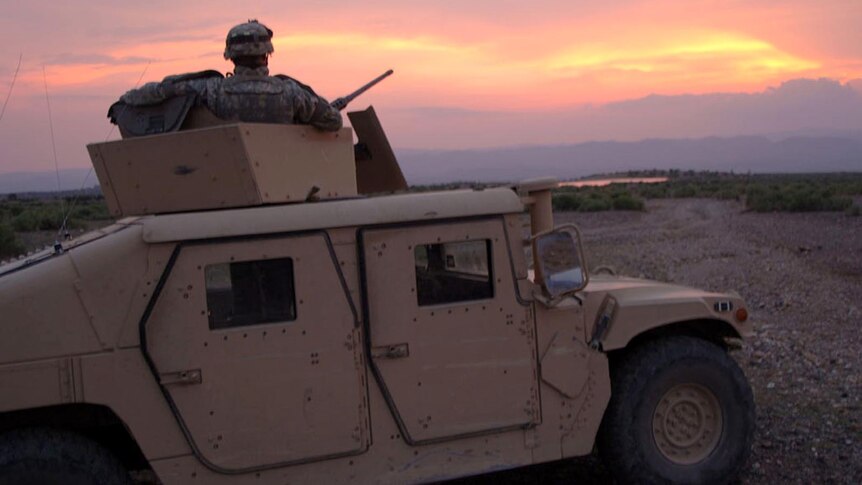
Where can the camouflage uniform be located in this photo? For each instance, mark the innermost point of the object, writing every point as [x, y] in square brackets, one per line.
[251, 94]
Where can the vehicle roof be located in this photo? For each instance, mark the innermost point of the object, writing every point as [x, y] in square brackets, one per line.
[329, 214]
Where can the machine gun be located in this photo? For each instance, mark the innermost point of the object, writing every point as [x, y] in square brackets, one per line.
[342, 102]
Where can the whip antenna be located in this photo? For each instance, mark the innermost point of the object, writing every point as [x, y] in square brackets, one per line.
[9, 94]
[87, 177]
[57, 246]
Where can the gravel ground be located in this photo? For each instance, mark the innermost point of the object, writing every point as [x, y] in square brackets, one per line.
[801, 275]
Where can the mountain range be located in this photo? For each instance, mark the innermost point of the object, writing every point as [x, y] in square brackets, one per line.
[758, 154]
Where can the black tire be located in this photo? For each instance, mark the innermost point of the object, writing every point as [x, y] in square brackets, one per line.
[661, 425]
[45, 457]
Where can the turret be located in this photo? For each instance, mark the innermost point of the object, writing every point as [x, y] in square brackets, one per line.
[211, 164]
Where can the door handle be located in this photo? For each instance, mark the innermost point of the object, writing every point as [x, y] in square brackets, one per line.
[395, 351]
[192, 376]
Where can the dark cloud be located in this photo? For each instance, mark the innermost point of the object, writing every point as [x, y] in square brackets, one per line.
[796, 106]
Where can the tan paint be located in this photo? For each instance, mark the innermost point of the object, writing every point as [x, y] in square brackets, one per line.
[507, 380]
[427, 206]
[36, 384]
[464, 351]
[236, 165]
[576, 387]
[122, 381]
[644, 304]
[41, 306]
[106, 294]
[306, 369]
[537, 194]
[158, 256]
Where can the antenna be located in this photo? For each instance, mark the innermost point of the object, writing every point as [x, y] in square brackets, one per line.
[9, 94]
[89, 172]
[51, 127]
[57, 246]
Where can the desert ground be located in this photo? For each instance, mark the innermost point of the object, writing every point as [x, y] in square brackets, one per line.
[801, 275]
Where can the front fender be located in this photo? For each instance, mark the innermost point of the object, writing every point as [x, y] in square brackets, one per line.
[626, 307]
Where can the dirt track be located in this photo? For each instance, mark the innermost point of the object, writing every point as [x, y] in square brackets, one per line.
[801, 275]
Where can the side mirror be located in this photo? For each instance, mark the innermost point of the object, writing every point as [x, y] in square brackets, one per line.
[560, 265]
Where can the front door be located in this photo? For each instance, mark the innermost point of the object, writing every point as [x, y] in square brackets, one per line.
[255, 343]
[452, 346]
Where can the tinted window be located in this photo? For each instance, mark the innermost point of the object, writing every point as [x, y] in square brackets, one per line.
[453, 272]
[250, 292]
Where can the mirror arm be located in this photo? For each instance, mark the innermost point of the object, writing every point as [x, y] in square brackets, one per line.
[550, 302]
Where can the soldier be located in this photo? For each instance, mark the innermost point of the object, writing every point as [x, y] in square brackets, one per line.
[250, 93]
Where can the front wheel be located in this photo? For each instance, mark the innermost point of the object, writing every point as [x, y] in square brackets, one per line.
[51, 457]
[681, 411]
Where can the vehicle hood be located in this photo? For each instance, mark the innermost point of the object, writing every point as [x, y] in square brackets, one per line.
[637, 305]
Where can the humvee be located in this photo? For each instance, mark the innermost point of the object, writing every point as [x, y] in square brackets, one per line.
[268, 308]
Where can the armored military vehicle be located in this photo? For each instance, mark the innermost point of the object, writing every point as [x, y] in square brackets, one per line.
[260, 313]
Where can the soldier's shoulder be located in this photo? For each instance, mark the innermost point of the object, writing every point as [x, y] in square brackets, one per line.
[296, 83]
[192, 76]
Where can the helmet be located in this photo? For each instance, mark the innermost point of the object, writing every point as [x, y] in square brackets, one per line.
[249, 39]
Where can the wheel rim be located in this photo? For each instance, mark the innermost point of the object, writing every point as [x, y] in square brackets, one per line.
[687, 423]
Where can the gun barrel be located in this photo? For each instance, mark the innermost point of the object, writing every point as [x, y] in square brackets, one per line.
[368, 86]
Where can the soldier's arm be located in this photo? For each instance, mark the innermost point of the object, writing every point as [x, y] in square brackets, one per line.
[150, 93]
[311, 109]
[171, 86]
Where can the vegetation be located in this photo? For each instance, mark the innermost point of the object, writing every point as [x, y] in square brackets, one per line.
[760, 193]
[9, 244]
[594, 199]
[25, 215]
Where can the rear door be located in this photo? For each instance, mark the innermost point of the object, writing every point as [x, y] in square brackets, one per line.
[451, 345]
[255, 343]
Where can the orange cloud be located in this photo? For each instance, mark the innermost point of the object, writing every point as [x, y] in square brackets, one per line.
[479, 74]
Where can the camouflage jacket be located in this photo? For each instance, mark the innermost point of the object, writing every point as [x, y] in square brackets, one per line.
[249, 95]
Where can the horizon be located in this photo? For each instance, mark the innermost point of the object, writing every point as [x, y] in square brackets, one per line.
[484, 75]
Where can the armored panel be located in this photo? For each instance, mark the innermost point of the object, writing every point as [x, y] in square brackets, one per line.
[377, 169]
[452, 346]
[238, 165]
[256, 345]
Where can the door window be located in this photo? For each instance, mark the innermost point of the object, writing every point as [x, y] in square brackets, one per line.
[453, 272]
[250, 293]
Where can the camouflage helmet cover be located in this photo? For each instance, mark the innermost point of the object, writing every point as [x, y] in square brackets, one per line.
[249, 39]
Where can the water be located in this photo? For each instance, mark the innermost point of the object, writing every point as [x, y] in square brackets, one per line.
[603, 182]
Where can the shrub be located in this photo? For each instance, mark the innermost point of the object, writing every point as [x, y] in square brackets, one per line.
[44, 218]
[624, 201]
[9, 244]
[794, 198]
[92, 211]
[595, 203]
[566, 201]
[684, 191]
[653, 191]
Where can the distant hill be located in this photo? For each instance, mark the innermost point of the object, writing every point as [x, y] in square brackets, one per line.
[740, 154]
[760, 154]
[71, 179]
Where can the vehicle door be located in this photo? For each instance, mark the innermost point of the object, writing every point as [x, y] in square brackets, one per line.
[451, 344]
[255, 344]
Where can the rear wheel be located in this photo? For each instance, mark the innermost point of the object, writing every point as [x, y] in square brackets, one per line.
[46, 457]
[681, 411]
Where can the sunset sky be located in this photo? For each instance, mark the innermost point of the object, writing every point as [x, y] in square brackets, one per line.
[466, 72]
